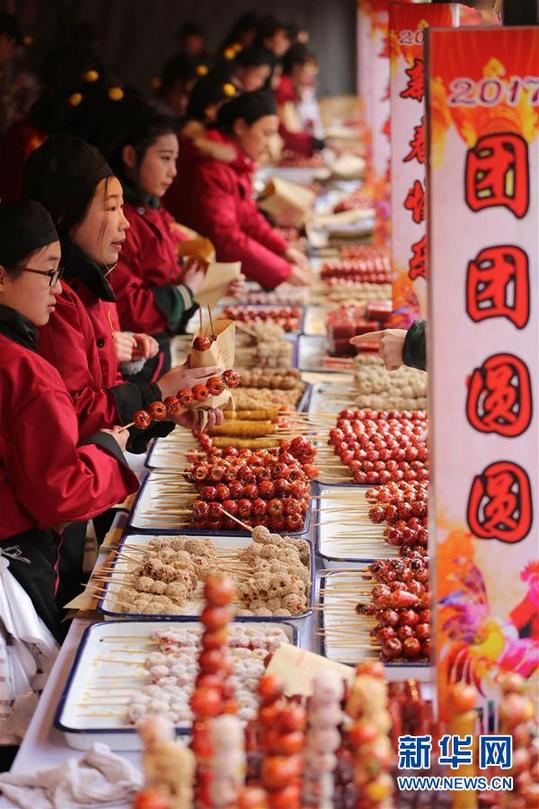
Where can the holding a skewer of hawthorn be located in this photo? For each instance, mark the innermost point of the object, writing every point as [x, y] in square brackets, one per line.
[200, 405]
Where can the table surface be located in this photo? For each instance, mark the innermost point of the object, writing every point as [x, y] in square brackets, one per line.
[43, 745]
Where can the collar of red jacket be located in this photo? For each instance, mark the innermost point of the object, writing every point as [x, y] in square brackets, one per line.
[79, 269]
[241, 163]
[17, 327]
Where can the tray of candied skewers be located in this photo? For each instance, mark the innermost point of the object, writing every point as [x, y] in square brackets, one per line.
[382, 610]
[164, 575]
[125, 671]
[381, 522]
[230, 490]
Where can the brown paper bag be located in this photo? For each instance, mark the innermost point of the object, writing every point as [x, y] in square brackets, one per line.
[218, 278]
[297, 668]
[221, 353]
[198, 247]
[288, 203]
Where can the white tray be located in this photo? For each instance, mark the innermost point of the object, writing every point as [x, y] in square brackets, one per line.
[311, 353]
[302, 176]
[335, 516]
[344, 648]
[170, 452]
[331, 398]
[147, 517]
[95, 660]
[193, 608]
[148, 499]
[314, 322]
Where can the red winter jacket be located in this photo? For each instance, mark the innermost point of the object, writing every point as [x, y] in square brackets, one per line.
[300, 142]
[148, 271]
[78, 341]
[45, 477]
[219, 204]
[177, 200]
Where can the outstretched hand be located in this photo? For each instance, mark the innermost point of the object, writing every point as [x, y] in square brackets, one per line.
[390, 345]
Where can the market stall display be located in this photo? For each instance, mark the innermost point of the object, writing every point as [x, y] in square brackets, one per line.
[284, 295]
[127, 670]
[164, 575]
[264, 345]
[289, 317]
[302, 518]
[379, 446]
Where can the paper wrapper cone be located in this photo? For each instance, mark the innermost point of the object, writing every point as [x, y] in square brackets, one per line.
[288, 203]
[222, 353]
[198, 247]
[217, 280]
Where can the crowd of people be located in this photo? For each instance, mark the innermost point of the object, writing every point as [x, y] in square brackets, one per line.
[101, 188]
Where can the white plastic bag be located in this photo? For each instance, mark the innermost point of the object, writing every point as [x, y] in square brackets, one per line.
[27, 652]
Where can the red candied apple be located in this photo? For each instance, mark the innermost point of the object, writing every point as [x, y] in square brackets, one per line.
[215, 617]
[218, 591]
[206, 702]
[150, 798]
[202, 343]
[142, 419]
[200, 393]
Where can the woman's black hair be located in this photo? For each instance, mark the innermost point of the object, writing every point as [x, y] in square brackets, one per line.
[189, 29]
[249, 107]
[243, 25]
[177, 69]
[298, 54]
[267, 28]
[212, 89]
[255, 57]
[62, 174]
[134, 123]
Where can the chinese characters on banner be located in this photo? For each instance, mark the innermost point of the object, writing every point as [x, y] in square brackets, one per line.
[483, 156]
[407, 24]
[374, 91]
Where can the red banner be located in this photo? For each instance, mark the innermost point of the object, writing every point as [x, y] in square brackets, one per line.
[483, 155]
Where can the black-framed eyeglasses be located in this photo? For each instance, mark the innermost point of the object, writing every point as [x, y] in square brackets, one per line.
[53, 275]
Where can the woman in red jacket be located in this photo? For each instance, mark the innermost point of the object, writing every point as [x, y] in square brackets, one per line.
[154, 292]
[297, 81]
[221, 204]
[77, 186]
[74, 182]
[47, 479]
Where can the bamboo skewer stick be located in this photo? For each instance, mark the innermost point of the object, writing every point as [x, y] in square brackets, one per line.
[243, 524]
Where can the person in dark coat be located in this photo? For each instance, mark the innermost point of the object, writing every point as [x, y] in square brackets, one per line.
[174, 86]
[49, 474]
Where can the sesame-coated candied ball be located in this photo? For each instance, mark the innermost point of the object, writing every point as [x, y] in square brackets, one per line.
[177, 592]
[144, 584]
